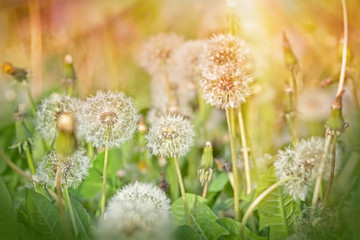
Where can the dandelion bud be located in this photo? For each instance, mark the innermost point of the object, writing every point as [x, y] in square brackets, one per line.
[207, 164]
[23, 135]
[69, 75]
[19, 74]
[138, 211]
[170, 136]
[66, 142]
[336, 123]
[290, 58]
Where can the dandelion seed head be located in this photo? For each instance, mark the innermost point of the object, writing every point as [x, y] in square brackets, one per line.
[50, 109]
[108, 119]
[303, 164]
[172, 135]
[138, 211]
[158, 51]
[74, 168]
[225, 90]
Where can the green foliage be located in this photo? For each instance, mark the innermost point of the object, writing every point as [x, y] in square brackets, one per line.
[233, 228]
[82, 219]
[203, 219]
[277, 210]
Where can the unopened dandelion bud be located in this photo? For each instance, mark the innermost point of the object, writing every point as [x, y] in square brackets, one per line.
[23, 135]
[66, 141]
[336, 123]
[19, 74]
[207, 164]
[69, 75]
[290, 58]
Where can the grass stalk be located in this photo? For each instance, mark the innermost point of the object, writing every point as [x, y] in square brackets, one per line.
[29, 159]
[245, 151]
[256, 202]
[230, 123]
[14, 167]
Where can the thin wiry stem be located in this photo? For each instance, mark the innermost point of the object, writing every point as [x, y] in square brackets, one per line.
[230, 124]
[344, 54]
[103, 194]
[14, 167]
[29, 159]
[332, 175]
[182, 188]
[205, 189]
[256, 202]
[322, 166]
[245, 151]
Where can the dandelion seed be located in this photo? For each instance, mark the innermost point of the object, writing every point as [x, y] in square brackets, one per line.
[108, 119]
[303, 164]
[49, 110]
[138, 211]
[170, 136]
[74, 169]
[158, 51]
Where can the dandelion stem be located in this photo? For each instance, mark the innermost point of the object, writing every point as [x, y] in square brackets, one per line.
[31, 99]
[230, 124]
[71, 210]
[344, 55]
[295, 107]
[205, 189]
[256, 202]
[245, 151]
[29, 159]
[14, 167]
[103, 195]
[183, 194]
[331, 180]
[322, 166]
[202, 113]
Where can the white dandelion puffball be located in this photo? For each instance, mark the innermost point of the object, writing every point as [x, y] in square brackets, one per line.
[138, 211]
[108, 119]
[303, 164]
[225, 90]
[74, 169]
[223, 51]
[49, 110]
[157, 52]
[171, 136]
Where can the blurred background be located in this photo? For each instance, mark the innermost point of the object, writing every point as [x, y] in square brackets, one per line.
[104, 38]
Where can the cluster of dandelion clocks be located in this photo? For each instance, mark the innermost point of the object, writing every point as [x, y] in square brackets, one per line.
[74, 169]
[108, 119]
[302, 163]
[138, 211]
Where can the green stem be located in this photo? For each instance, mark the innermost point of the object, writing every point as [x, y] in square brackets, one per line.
[331, 180]
[174, 183]
[245, 151]
[14, 167]
[31, 99]
[103, 195]
[256, 202]
[71, 210]
[322, 166]
[182, 188]
[29, 159]
[230, 124]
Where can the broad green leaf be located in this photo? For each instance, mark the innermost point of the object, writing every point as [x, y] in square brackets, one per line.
[202, 218]
[219, 182]
[8, 224]
[43, 216]
[277, 210]
[185, 232]
[82, 220]
[233, 228]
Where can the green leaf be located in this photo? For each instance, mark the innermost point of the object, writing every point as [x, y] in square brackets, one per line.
[233, 228]
[185, 232]
[277, 210]
[203, 220]
[82, 220]
[8, 224]
[219, 182]
[43, 216]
